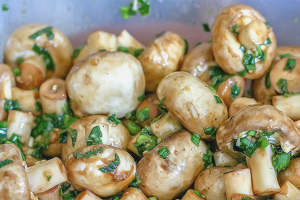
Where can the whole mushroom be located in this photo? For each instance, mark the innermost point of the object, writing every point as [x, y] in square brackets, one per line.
[105, 83]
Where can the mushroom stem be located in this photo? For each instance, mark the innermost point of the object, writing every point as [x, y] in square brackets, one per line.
[191, 195]
[54, 193]
[288, 105]
[45, 175]
[54, 96]
[238, 182]
[223, 159]
[54, 149]
[27, 100]
[133, 193]
[165, 126]
[253, 34]
[264, 177]
[288, 191]
[87, 195]
[19, 123]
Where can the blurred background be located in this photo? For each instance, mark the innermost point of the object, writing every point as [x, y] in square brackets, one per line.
[78, 18]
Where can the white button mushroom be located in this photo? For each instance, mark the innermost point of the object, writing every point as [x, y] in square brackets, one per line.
[105, 83]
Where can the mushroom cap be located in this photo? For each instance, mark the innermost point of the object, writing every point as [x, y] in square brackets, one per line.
[291, 173]
[258, 117]
[105, 83]
[226, 47]
[191, 101]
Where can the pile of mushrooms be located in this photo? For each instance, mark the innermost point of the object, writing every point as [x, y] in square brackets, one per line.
[117, 120]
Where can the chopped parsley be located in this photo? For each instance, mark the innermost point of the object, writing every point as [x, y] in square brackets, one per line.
[133, 127]
[208, 159]
[160, 34]
[267, 80]
[286, 55]
[38, 106]
[88, 154]
[212, 131]
[290, 64]
[282, 161]
[135, 52]
[20, 60]
[196, 139]
[212, 89]
[117, 196]
[112, 166]
[267, 24]
[217, 99]
[113, 119]
[16, 139]
[186, 46]
[5, 162]
[47, 31]
[63, 136]
[143, 7]
[11, 105]
[141, 97]
[143, 114]
[206, 27]
[135, 182]
[4, 7]
[197, 44]
[235, 91]
[3, 128]
[163, 152]
[199, 194]
[146, 141]
[282, 86]
[46, 56]
[17, 71]
[94, 136]
[233, 29]
[76, 52]
[131, 115]
[48, 178]
[242, 73]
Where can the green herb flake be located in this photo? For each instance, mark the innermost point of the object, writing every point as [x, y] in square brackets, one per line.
[16, 139]
[112, 166]
[163, 152]
[131, 115]
[235, 91]
[206, 27]
[233, 28]
[186, 46]
[20, 60]
[251, 133]
[133, 127]
[135, 182]
[152, 198]
[217, 99]
[141, 97]
[48, 178]
[143, 114]
[267, 80]
[47, 30]
[4, 7]
[242, 73]
[65, 186]
[17, 71]
[63, 136]
[143, 8]
[197, 44]
[77, 51]
[208, 159]
[117, 196]
[246, 146]
[113, 119]
[267, 24]
[59, 192]
[37, 153]
[282, 86]
[11, 105]
[196, 139]
[46, 56]
[212, 89]
[88, 154]
[38, 106]
[5, 162]
[160, 34]
[267, 42]
[286, 55]
[282, 161]
[290, 64]
[94, 136]
[212, 131]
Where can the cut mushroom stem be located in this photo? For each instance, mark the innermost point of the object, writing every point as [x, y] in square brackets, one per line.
[224, 160]
[253, 34]
[27, 99]
[20, 124]
[264, 177]
[87, 195]
[242, 197]
[289, 105]
[54, 96]
[45, 175]
[165, 126]
[133, 193]
[288, 191]
[193, 195]
[54, 193]
[238, 182]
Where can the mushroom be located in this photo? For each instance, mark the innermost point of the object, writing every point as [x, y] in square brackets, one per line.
[231, 89]
[7, 81]
[240, 103]
[132, 193]
[288, 191]
[96, 41]
[146, 112]
[238, 182]
[102, 169]
[44, 175]
[13, 179]
[124, 39]
[210, 182]
[40, 52]
[54, 193]
[171, 167]
[262, 89]
[198, 61]
[285, 75]
[105, 83]
[224, 160]
[87, 195]
[110, 133]
[54, 96]
[242, 41]
[193, 195]
[291, 173]
[288, 104]
[163, 56]
[191, 101]
[54, 149]
[28, 100]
